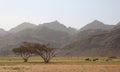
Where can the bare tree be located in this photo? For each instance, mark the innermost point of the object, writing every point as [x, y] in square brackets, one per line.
[25, 51]
[45, 52]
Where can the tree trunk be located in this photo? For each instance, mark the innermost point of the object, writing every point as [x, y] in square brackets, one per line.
[46, 60]
[25, 60]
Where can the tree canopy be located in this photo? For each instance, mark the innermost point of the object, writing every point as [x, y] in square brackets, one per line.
[27, 49]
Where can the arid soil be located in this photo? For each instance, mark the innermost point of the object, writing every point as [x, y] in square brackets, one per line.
[60, 68]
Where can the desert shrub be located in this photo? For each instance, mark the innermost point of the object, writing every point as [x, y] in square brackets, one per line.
[87, 59]
[95, 59]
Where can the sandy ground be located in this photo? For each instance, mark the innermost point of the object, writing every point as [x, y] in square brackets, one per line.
[60, 68]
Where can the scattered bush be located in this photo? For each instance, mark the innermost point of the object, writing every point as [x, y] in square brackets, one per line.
[113, 57]
[87, 59]
[95, 59]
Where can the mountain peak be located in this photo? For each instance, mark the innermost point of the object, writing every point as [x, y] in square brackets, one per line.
[96, 22]
[56, 21]
[96, 25]
[26, 24]
[55, 25]
[22, 26]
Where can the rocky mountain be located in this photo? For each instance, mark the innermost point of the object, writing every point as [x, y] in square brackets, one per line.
[2, 32]
[117, 25]
[43, 35]
[94, 43]
[95, 39]
[24, 25]
[97, 25]
[55, 25]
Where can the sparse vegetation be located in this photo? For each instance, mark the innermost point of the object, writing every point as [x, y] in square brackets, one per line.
[46, 53]
[88, 59]
[27, 49]
[60, 68]
[58, 64]
[24, 51]
[113, 57]
[95, 59]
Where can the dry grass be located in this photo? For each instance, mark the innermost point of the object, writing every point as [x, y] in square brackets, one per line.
[60, 68]
[58, 64]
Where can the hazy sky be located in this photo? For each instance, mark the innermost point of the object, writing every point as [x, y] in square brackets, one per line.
[75, 13]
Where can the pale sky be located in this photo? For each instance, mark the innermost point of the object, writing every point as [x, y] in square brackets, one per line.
[74, 13]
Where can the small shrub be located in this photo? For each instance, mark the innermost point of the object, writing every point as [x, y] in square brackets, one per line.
[95, 59]
[87, 59]
[109, 59]
[113, 57]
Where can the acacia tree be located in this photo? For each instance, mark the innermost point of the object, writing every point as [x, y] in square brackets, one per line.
[45, 52]
[25, 51]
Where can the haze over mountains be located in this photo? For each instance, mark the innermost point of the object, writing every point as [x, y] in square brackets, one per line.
[94, 39]
[97, 25]
[22, 26]
[2, 32]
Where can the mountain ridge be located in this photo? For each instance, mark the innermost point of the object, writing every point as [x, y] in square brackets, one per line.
[57, 22]
[97, 25]
[100, 43]
[90, 41]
